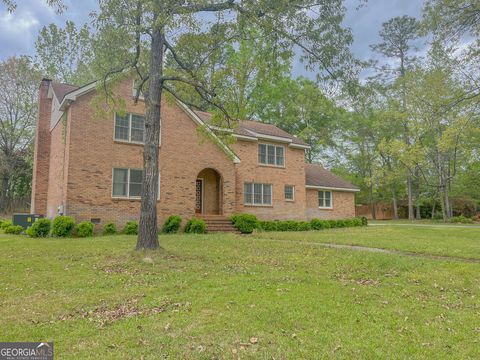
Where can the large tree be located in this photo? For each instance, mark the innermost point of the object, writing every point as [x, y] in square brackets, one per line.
[136, 37]
[397, 36]
[18, 107]
[65, 54]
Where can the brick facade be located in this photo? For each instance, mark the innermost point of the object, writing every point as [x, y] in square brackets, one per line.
[74, 163]
[343, 205]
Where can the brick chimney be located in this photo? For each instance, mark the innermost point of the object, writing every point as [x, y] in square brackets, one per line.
[41, 159]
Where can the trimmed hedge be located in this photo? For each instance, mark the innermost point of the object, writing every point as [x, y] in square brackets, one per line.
[195, 226]
[246, 223]
[62, 226]
[172, 224]
[315, 224]
[84, 229]
[109, 229]
[131, 228]
[40, 228]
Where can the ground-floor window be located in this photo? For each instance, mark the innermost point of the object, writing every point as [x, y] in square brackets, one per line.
[257, 194]
[325, 199]
[289, 192]
[127, 183]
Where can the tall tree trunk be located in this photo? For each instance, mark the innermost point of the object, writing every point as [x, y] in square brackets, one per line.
[418, 215]
[147, 232]
[410, 197]
[395, 205]
[433, 209]
[4, 193]
[372, 203]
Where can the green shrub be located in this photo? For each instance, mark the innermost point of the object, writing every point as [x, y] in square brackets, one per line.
[62, 226]
[40, 228]
[131, 228]
[195, 226]
[13, 229]
[246, 223]
[303, 226]
[5, 224]
[364, 220]
[318, 224]
[461, 219]
[172, 224]
[268, 225]
[84, 229]
[109, 229]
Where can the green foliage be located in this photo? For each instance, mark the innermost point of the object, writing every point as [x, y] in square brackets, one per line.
[40, 228]
[62, 226]
[131, 228]
[5, 224]
[267, 225]
[318, 224]
[172, 224]
[65, 54]
[314, 224]
[195, 226]
[84, 229]
[109, 229]
[461, 219]
[13, 229]
[246, 223]
[364, 220]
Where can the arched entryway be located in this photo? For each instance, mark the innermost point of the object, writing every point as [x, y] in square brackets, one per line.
[208, 192]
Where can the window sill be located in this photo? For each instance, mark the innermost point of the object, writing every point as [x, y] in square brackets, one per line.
[287, 200]
[115, 198]
[254, 205]
[325, 208]
[128, 143]
[272, 166]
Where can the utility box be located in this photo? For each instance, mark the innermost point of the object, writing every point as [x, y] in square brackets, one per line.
[25, 220]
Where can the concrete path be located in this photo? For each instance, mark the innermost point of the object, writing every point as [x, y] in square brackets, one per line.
[376, 250]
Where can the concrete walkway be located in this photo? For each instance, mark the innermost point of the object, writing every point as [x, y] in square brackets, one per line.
[376, 250]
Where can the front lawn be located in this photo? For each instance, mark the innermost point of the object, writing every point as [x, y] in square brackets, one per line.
[244, 297]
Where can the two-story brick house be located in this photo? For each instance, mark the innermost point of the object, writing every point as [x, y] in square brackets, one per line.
[90, 168]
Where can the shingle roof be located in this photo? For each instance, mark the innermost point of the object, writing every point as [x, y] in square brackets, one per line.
[316, 175]
[61, 90]
[249, 128]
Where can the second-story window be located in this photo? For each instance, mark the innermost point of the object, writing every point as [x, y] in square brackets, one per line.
[271, 155]
[130, 127]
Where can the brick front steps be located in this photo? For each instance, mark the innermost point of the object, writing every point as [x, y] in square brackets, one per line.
[218, 223]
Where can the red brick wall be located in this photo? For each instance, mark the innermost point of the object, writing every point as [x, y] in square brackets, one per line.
[249, 170]
[42, 152]
[343, 205]
[183, 154]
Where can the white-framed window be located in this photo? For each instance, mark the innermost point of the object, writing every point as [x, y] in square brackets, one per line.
[271, 155]
[130, 128]
[257, 194]
[127, 183]
[289, 191]
[325, 199]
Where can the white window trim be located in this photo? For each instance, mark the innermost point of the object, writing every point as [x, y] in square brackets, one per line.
[128, 197]
[331, 200]
[129, 141]
[293, 193]
[271, 165]
[253, 194]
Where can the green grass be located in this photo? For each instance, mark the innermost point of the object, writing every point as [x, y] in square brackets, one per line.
[458, 242]
[206, 296]
[421, 222]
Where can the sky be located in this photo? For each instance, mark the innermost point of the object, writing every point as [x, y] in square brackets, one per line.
[19, 30]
